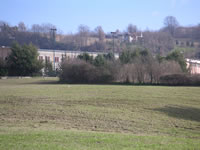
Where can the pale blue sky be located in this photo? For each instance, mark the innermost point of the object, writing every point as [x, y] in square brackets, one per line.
[67, 15]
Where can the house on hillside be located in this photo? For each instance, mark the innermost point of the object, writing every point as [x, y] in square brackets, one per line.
[132, 37]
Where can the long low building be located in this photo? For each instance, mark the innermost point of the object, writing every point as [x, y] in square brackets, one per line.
[54, 56]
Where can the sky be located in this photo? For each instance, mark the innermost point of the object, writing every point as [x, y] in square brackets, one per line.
[67, 15]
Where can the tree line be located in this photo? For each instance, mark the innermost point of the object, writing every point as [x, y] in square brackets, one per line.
[136, 66]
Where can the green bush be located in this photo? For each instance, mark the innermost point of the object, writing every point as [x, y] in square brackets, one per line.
[79, 71]
[180, 79]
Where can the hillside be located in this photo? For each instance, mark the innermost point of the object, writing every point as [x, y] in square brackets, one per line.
[158, 42]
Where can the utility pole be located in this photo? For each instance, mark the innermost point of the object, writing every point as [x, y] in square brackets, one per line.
[113, 36]
[53, 34]
[53, 37]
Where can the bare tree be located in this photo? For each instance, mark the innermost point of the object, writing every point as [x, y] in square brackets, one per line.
[172, 68]
[22, 27]
[140, 68]
[158, 42]
[171, 24]
[131, 28]
[99, 31]
[35, 28]
[44, 28]
[127, 73]
[83, 34]
[4, 26]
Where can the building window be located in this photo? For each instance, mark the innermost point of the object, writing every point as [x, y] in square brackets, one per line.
[56, 59]
[47, 59]
[40, 57]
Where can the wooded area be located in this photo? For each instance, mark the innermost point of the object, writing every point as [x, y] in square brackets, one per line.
[162, 41]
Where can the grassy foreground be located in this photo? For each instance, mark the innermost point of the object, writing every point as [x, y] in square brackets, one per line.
[42, 114]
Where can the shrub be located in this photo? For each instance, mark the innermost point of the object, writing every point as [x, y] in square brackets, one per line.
[76, 71]
[180, 79]
[99, 61]
[3, 68]
[79, 71]
[177, 56]
[137, 66]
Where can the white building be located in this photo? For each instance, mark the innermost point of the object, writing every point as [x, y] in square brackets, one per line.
[56, 56]
[132, 37]
[193, 65]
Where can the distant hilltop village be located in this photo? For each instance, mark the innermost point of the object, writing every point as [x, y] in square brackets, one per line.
[117, 36]
[47, 36]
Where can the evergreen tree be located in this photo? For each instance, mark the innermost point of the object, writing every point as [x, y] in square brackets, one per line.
[23, 61]
[99, 61]
[86, 57]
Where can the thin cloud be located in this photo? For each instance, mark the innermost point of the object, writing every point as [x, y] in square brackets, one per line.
[175, 3]
[184, 2]
[155, 13]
